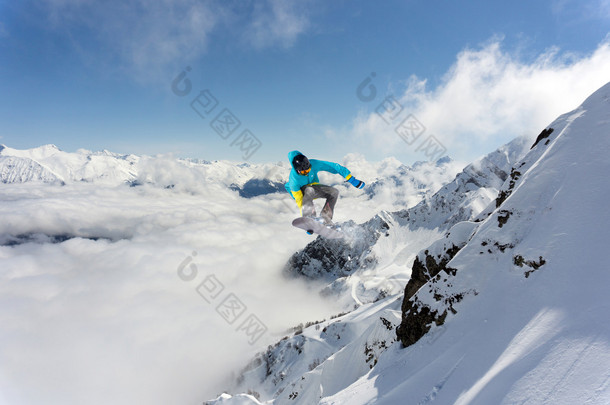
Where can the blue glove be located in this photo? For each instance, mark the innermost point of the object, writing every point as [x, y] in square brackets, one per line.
[355, 182]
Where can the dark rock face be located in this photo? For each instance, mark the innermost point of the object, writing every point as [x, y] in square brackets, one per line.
[503, 216]
[518, 260]
[543, 135]
[417, 318]
[418, 322]
[503, 195]
[421, 273]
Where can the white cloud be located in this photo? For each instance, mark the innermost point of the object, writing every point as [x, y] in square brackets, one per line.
[100, 321]
[142, 38]
[489, 97]
[277, 22]
[146, 39]
[570, 10]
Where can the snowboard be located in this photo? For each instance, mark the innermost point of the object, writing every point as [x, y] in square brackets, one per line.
[311, 224]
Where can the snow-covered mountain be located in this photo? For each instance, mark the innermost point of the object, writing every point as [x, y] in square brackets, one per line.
[508, 306]
[49, 164]
[391, 181]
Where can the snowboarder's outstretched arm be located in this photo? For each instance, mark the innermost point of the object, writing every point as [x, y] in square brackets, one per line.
[331, 167]
[336, 168]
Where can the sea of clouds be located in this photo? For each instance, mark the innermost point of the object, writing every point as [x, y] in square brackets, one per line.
[155, 293]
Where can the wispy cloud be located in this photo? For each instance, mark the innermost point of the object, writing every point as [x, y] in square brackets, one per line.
[574, 9]
[145, 39]
[139, 38]
[490, 96]
[277, 22]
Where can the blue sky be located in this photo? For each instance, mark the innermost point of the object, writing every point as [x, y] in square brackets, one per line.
[466, 75]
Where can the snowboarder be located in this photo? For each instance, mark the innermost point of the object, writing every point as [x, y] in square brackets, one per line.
[304, 185]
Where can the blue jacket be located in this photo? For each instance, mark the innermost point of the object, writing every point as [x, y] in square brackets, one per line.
[297, 181]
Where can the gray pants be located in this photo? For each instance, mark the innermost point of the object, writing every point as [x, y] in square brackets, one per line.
[319, 191]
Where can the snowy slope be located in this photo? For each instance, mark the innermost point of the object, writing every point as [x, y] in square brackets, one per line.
[321, 359]
[469, 193]
[507, 308]
[522, 304]
[49, 164]
[23, 170]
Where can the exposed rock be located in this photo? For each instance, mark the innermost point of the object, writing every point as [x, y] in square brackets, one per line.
[543, 135]
[503, 195]
[518, 260]
[503, 216]
[417, 321]
[330, 259]
[431, 267]
[421, 273]
[417, 318]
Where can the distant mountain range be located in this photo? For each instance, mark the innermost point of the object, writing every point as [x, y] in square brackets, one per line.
[48, 164]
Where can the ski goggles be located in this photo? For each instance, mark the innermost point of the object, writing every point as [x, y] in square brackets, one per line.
[304, 172]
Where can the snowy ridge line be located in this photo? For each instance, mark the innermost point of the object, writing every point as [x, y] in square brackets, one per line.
[512, 219]
[299, 367]
[513, 295]
[22, 170]
[469, 193]
[434, 263]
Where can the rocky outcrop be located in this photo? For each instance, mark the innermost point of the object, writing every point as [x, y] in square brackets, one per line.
[330, 259]
[431, 267]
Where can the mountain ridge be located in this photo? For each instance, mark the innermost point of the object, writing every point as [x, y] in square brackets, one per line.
[508, 305]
